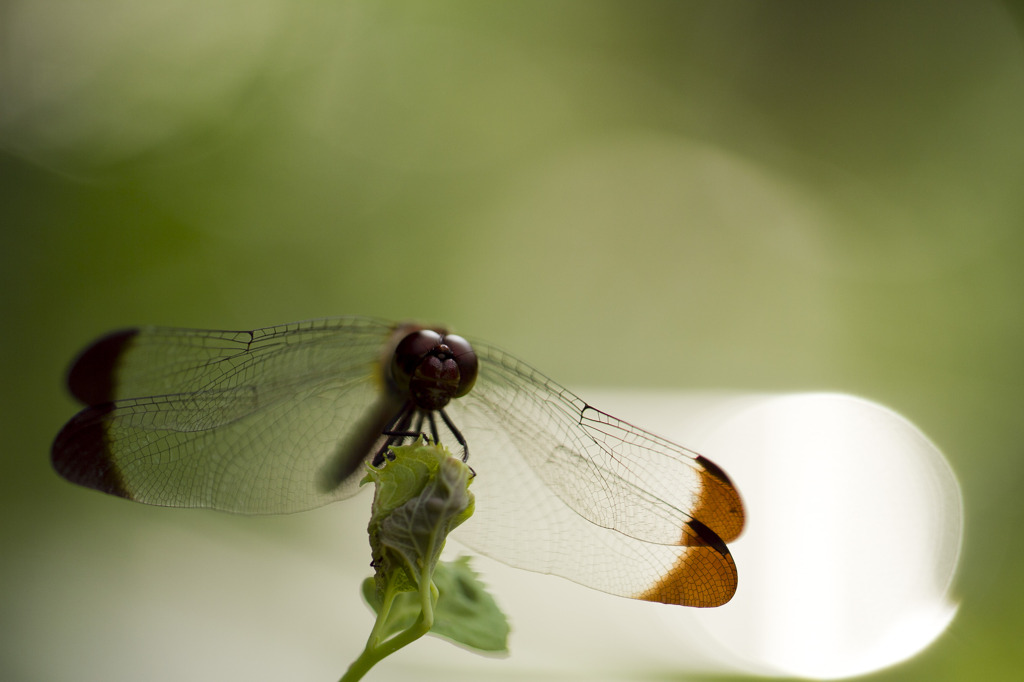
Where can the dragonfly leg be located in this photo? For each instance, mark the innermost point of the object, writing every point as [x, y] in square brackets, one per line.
[458, 435]
[396, 431]
[417, 430]
[433, 428]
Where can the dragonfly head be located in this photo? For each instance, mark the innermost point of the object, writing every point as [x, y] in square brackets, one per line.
[432, 368]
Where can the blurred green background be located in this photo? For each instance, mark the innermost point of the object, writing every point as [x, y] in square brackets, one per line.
[771, 196]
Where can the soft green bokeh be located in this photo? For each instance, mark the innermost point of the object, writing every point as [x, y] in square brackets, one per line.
[775, 196]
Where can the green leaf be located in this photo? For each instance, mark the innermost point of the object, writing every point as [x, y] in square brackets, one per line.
[421, 495]
[417, 530]
[465, 613]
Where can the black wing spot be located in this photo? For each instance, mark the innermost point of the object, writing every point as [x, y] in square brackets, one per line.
[713, 469]
[708, 536]
[81, 453]
[92, 377]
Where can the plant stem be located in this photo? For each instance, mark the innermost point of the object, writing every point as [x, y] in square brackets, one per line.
[375, 651]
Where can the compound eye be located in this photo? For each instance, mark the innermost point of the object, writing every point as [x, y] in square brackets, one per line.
[465, 359]
[410, 353]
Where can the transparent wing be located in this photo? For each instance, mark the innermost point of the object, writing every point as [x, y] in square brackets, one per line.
[149, 361]
[268, 421]
[612, 473]
[565, 489]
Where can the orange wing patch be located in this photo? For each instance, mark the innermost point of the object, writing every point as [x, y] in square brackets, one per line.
[704, 574]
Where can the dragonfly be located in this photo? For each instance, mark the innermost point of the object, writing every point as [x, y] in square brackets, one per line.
[286, 418]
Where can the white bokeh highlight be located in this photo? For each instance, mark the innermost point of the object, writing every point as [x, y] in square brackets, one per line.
[853, 536]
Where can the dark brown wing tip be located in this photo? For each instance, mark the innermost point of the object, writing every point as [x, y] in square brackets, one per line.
[80, 452]
[713, 469]
[91, 378]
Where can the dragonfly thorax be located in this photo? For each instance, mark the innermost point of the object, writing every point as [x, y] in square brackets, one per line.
[432, 368]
